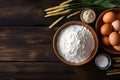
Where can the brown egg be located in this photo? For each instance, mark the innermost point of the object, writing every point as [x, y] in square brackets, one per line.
[108, 17]
[106, 29]
[105, 41]
[117, 47]
[114, 38]
[119, 32]
[116, 25]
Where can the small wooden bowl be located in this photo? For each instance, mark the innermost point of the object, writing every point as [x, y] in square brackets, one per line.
[56, 37]
[98, 25]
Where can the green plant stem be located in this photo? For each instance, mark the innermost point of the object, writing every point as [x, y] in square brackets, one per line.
[77, 6]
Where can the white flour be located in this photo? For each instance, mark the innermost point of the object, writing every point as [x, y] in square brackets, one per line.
[75, 43]
[102, 61]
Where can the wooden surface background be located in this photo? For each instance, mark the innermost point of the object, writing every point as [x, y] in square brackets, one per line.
[26, 45]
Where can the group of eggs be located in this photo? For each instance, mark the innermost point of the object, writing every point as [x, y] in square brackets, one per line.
[110, 30]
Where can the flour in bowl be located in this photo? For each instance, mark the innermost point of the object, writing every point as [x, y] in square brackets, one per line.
[75, 43]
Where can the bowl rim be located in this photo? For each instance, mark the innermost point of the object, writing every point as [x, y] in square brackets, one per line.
[109, 61]
[66, 25]
[94, 15]
[96, 28]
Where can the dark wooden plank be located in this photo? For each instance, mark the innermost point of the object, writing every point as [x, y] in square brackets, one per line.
[50, 70]
[21, 43]
[25, 12]
[26, 51]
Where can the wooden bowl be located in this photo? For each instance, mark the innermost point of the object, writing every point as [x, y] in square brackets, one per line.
[56, 37]
[98, 25]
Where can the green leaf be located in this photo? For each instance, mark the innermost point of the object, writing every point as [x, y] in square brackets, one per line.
[105, 4]
[87, 1]
[98, 1]
[108, 5]
[115, 1]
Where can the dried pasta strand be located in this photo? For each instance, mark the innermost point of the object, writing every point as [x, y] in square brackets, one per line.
[54, 23]
[66, 2]
[55, 11]
[116, 58]
[113, 70]
[58, 13]
[72, 14]
[116, 65]
[113, 73]
[56, 7]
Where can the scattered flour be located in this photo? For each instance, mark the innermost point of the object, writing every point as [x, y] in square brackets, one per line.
[75, 43]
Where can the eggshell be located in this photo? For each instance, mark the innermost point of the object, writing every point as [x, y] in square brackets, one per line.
[106, 29]
[105, 41]
[108, 17]
[117, 47]
[114, 38]
[119, 32]
[116, 25]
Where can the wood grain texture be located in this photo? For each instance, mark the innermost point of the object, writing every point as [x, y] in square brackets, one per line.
[26, 45]
[25, 12]
[26, 53]
[49, 70]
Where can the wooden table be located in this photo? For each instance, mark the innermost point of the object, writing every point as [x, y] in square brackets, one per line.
[26, 45]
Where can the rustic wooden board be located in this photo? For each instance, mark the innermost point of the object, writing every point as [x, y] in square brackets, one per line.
[49, 70]
[26, 53]
[26, 45]
[21, 43]
[27, 12]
